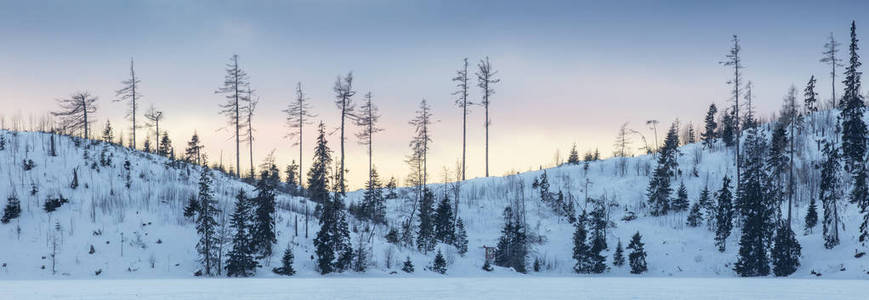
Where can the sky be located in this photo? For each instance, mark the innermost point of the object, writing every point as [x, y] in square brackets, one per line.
[572, 72]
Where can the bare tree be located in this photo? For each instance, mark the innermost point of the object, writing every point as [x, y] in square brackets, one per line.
[461, 80]
[832, 48]
[235, 84]
[249, 109]
[419, 146]
[623, 141]
[734, 60]
[367, 121]
[298, 114]
[343, 99]
[76, 112]
[154, 117]
[130, 94]
[485, 80]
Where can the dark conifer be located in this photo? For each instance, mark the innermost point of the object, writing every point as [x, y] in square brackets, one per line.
[192, 207]
[240, 262]
[710, 132]
[811, 216]
[263, 227]
[13, 209]
[581, 250]
[286, 267]
[619, 256]
[637, 257]
[461, 241]
[785, 251]
[830, 194]
[723, 214]
[695, 217]
[206, 223]
[445, 229]
[573, 158]
[407, 267]
[439, 264]
[680, 203]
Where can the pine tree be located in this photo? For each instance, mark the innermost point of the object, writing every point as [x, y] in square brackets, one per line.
[573, 159]
[728, 128]
[723, 215]
[286, 267]
[711, 129]
[263, 228]
[333, 249]
[811, 216]
[193, 153]
[830, 194]
[445, 229]
[695, 217]
[240, 262]
[206, 224]
[108, 133]
[853, 128]
[373, 206]
[681, 201]
[581, 250]
[318, 175]
[13, 209]
[785, 251]
[425, 235]
[637, 257]
[659, 191]
[619, 256]
[165, 148]
[461, 241]
[810, 102]
[512, 250]
[293, 179]
[407, 266]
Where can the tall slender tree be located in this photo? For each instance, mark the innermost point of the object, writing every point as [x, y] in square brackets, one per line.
[830, 194]
[486, 80]
[419, 145]
[711, 128]
[831, 49]
[367, 122]
[76, 112]
[318, 175]
[130, 94]
[298, 115]
[235, 85]
[344, 100]
[461, 92]
[206, 223]
[249, 110]
[734, 60]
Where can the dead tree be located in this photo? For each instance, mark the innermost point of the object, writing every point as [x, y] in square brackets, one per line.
[485, 80]
[298, 114]
[76, 112]
[343, 99]
[235, 85]
[154, 117]
[129, 93]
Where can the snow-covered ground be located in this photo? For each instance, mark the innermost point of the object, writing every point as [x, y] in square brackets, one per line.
[478, 288]
[140, 233]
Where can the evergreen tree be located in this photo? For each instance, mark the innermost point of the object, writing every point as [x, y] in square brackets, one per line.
[318, 176]
[512, 247]
[695, 217]
[619, 256]
[333, 249]
[811, 216]
[659, 191]
[293, 178]
[360, 262]
[286, 267]
[263, 228]
[711, 129]
[830, 194]
[407, 266]
[707, 207]
[581, 250]
[165, 148]
[240, 262]
[573, 158]
[756, 211]
[206, 223]
[853, 127]
[193, 153]
[811, 101]
[373, 205]
[108, 133]
[13, 209]
[445, 229]
[785, 251]
[723, 215]
[728, 128]
[192, 207]
[461, 241]
[637, 257]
[681, 201]
[425, 235]
[439, 264]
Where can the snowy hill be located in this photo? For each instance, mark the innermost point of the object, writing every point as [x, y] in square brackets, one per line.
[140, 231]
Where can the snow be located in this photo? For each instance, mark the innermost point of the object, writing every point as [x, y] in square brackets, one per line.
[159, 242]
[478, 288]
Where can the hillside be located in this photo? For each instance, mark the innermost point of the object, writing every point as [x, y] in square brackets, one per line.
[140, 232]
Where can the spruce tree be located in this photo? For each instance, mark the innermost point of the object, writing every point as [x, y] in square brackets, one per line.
[637, 257]
[461, 241]
[680, 203]
[439, 264]
[206, 223]
[853, 127]
[695, 217]
[263, 229]
[240, 262]
[318, 175]
[659, 191]
[373, 206]
[707, 207]
[286, 267]
[512, 247]
[445, 229]
[13, 209]
[581, 250]
[728, 128]
[830, 194]
[619, 256]
[711, 128]
[573, 158]
[192, 207]
[407, 266]
[723, 214]
[333, 249]
[756, 211]
[811, 216]
[425, 235]
[785, 251]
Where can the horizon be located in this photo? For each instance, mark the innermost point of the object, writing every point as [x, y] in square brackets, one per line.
[557, 61]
